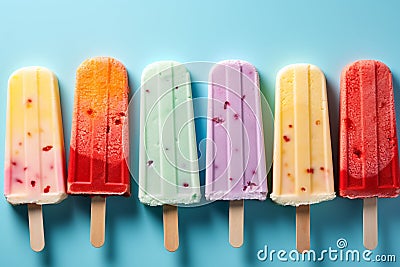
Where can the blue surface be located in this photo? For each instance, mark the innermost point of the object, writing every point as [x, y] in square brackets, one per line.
[270, 34]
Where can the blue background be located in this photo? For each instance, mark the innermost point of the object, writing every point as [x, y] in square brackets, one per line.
[269, 34]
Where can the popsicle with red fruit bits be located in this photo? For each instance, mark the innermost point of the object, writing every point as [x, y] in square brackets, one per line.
[302, 169]
[98, 163]
[168, 167]
[369, 161]
[236, 166]
[34, 148]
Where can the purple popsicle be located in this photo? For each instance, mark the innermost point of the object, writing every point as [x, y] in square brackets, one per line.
[236, 166]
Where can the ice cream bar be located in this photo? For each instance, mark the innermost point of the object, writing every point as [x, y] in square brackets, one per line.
[168, 167]
[236, 166]
[302, 168]
[369, 162]
[100, 141]
[34, 148]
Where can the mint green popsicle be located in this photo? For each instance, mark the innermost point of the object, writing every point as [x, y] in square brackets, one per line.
[168, 168]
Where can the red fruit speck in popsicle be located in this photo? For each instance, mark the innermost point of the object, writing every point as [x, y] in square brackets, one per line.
[122, 114]
[311, 170]
[29, 134]
[47, 148]
[25, 168]
[147, 91]
[226, 104]
[290, 126]
[349, 124]
[89, 111]
[357, 152]
[218, 120]
[14, 163]
[150, 162]
[176, 87]
[230, 179]
[20, 143]
[303, 189]
[322, 168]
[46, 189]
[29, 103]
[19, 181]
[117, 122]
[317, 122]
[33, 183]
[251, 184]
[286, 138]
[236, 116]
[185, 184]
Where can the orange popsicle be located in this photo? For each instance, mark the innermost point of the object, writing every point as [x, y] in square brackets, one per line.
[99, 140]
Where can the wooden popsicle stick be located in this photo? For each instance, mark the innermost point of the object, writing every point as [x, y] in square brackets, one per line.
[98, 221]
[303, 228]
[171, 232]
[36, 232]
[236, 221]
[370, 223]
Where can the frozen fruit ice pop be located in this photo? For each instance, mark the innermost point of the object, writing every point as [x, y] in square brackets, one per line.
[168, 168]
[34, 149]
[302, 168]
[99, 139]
[236, 167]
[369, 161]
[98, 163]
[235, 152]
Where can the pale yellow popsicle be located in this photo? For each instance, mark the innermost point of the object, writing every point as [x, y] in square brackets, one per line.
[34, 149]
[302, 168]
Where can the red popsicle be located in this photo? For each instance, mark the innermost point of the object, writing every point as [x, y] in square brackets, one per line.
[369, 165]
